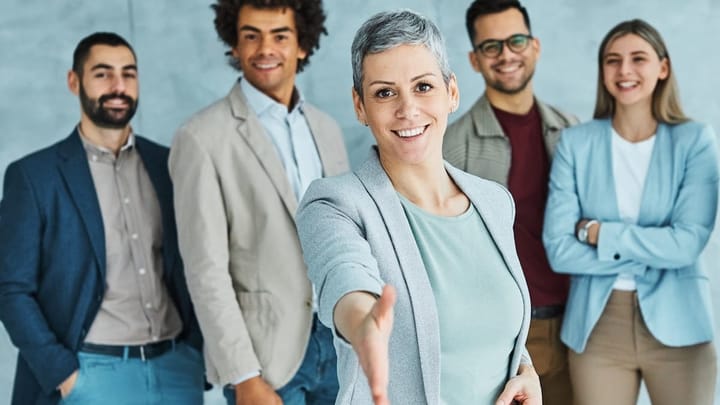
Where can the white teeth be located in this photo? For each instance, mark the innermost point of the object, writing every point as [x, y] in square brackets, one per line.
[627, 85]
[265, 65]
[407, 133]
[509, 68]
[118, 103]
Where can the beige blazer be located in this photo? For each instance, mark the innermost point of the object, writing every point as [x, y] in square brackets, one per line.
[235, 212]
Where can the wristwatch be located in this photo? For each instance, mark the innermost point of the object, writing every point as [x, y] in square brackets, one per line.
[582, 233]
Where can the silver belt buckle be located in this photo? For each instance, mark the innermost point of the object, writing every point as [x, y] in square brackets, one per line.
[142, 353]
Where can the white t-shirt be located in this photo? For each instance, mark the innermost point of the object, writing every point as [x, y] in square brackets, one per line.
[630, 161]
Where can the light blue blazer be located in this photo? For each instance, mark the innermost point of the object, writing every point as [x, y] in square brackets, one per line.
[677, 214]
[355, 237]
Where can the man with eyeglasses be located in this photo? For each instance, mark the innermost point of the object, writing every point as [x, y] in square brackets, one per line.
[509, 136]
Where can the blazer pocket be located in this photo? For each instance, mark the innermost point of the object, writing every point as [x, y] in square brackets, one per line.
[261, 322]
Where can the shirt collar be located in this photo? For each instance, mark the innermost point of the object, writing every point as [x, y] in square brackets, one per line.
[261, 102]
[98, 150]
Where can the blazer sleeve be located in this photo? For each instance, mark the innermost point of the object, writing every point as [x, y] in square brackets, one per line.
[204, 246]
[565, 253]
[680, 242]
[21, 228]
[335, 248]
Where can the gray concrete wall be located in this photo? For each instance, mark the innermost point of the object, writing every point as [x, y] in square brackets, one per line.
[182, 68]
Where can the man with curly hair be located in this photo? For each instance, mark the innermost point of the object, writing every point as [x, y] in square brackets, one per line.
[239, 168]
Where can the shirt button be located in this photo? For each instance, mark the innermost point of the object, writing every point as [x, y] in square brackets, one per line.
[94, 158]
[142, 271]
[148, 305]
[126, 200]
[134, 236]
[308, 303]
[155, 338]
[616, 256]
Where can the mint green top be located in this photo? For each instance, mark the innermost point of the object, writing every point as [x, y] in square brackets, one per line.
[479, 304]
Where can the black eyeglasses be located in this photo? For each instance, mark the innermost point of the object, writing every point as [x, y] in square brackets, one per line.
[494, 47]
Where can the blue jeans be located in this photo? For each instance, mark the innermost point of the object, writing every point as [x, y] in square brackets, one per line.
[315, 383]
[176, 377]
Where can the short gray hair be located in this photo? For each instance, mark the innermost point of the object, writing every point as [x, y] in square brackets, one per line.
[388, 29]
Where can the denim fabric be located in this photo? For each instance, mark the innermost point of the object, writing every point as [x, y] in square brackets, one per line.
[175, 378]
[316, 382]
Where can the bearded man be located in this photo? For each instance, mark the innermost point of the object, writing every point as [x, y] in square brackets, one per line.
[92, 290]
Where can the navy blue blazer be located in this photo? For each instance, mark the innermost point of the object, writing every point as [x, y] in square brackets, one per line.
[52, 261]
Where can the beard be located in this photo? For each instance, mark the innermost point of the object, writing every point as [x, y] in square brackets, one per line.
[501, 87]
[110, 118]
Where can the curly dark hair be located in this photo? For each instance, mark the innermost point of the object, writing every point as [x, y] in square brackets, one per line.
[309, 20]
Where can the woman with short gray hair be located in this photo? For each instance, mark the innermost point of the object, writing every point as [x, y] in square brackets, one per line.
[414, 260]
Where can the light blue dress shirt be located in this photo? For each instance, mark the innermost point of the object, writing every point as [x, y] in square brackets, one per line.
[290, 133]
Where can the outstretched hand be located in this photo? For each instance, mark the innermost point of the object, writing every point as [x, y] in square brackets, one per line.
[371, 342]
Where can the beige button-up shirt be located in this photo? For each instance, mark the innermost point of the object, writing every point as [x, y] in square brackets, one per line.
[136, 307]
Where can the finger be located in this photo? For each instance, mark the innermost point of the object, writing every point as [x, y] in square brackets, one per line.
[386, 302]
[517, 390]
[376, 351]
[377, 371]
[508, 395]
[381, 399]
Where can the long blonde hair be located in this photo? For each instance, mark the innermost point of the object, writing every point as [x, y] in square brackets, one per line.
[666, 106]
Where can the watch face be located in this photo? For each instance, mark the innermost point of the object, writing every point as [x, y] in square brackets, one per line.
[582, 234]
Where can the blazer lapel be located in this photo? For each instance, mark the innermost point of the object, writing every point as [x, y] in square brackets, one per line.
[156, 166]
[378, 185]
[596, 181]
[253, 133]
[332, 155]
[75, 171]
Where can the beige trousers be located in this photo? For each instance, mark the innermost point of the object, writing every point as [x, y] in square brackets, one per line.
[550, 359]
[621, 351]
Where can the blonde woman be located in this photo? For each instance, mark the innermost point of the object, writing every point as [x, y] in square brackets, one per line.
[633, 198]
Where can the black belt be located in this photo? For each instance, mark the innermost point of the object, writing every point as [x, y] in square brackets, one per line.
[547, 312]
[143, 352]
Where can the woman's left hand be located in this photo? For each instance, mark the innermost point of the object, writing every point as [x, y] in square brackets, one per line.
[524, 388]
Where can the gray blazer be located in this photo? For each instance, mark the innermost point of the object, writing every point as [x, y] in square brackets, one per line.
[235, 212]
[355, 237]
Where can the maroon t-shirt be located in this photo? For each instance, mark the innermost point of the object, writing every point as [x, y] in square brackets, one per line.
[528, 184]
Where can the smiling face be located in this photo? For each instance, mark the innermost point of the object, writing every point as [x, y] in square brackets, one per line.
[508, 73]
[406, 104]
[108, 88]
[267, 50]
[631, 69]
